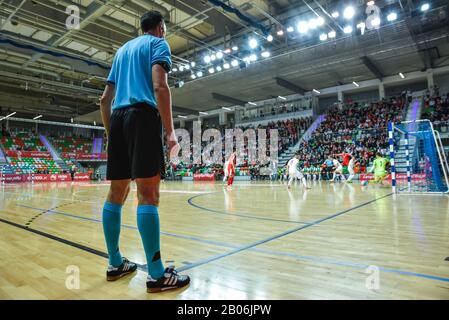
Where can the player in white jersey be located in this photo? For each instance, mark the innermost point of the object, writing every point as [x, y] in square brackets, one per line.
[294, 173]
[338, 170]
[225, 171]
[351, 170]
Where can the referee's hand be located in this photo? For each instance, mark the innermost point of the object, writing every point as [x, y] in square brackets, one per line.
[173, 146]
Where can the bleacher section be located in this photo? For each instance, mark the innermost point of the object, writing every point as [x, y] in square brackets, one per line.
[72, 145]
[25, 153]
[359, 130]
[23, 141]
[34, 165]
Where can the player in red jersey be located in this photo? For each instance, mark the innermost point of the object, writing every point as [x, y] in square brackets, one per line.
[230, 169]
[346, 158]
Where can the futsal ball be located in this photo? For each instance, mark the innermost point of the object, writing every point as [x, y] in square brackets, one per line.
[365, 183]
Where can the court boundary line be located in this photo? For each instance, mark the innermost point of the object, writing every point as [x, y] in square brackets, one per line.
[226, 213]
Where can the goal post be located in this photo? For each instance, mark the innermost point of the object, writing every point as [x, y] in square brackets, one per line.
[417, 158]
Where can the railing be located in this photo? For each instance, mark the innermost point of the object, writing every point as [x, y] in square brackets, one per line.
[441, 126]
[280, 116]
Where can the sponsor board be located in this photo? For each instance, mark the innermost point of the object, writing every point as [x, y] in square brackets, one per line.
[399, 177]
[28, 154]
[18, 178]
[204, 177]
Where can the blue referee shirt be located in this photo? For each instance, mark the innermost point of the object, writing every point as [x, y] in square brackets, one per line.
[131, 70]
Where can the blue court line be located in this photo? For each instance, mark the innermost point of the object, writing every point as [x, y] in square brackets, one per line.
[350, 264]
[275, 237]
[276, 253]
[190, 201]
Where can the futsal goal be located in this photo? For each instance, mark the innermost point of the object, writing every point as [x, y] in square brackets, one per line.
[417, 158]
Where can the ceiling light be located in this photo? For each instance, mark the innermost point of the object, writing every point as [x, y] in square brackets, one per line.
[323, 37]
[219, 68]
[211, 70]
[425, 7]
[207, 59]
[253, 57]
[199, 74]
[270, 38]
[252, 103]
[228, 51]
[332, 34]
[290, 29]
[316, 91]
[320, 21]
[213, 57]
[226, 66]
[187, 67]
[235, 48]
[280, 33]
[226, 108]
[335, 14]
[392, 16]
[282, 98]
[71, 120]
[401, 75]
[182, 117]
[37, 117]
[302, 27]
[181, 68]
[193, 64]
[253, 43]
[203, 113]
[349, 13]
[265, 54]
[11, 114]
[356, 84]
[175, 70]
[370, 3]
[193, 76]
[234, 63]
[312, 24]
[347, 29]
[219, 55]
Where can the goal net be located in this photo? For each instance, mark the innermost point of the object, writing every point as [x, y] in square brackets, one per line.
[418, 161]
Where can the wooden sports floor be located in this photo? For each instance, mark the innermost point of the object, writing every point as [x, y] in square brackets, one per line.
[257, 241]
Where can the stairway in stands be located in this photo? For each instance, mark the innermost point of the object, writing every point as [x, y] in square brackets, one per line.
[97, 145]
[54, 153]
[288, 154]
[4, 166]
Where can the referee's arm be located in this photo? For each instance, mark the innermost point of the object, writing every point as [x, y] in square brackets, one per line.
[163, 97]
[105, 105]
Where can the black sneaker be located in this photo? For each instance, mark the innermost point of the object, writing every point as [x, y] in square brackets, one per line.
[115, 273]
[170, 280]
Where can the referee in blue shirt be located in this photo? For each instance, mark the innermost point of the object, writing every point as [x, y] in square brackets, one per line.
[138, 92]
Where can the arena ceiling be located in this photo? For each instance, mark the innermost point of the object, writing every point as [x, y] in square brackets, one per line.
[46, 68]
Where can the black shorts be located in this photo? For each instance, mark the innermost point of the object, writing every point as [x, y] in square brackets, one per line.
[135, 144]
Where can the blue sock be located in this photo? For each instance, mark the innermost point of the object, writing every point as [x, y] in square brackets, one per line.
[111, 226]
[148, 224]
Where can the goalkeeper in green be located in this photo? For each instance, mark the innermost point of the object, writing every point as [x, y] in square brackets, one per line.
[380, 168]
